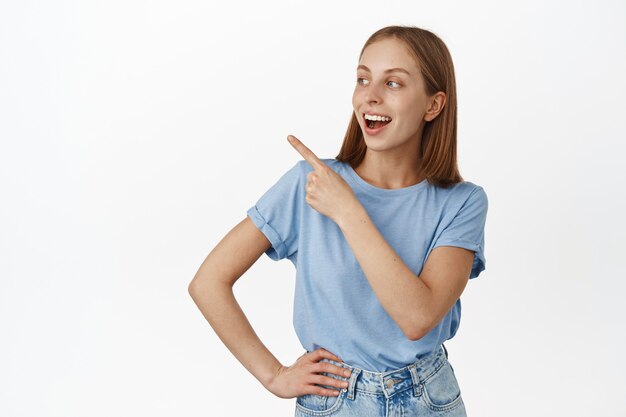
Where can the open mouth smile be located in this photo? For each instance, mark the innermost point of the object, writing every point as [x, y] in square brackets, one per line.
[374, 123]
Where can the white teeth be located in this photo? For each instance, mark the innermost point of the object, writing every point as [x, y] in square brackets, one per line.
[377, 118]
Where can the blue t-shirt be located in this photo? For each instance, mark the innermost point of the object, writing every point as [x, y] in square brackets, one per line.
[334, 304]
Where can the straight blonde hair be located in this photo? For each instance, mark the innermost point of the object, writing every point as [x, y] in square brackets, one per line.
[438, 143]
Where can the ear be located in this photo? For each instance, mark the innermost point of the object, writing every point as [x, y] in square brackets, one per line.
[437, 102]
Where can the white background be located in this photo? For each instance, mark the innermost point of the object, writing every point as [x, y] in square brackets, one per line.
[136, 134]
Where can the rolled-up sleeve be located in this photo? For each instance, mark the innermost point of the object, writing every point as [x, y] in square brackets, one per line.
[467, 229]
[277, 213]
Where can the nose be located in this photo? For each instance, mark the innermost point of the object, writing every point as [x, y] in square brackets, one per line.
[372, 95]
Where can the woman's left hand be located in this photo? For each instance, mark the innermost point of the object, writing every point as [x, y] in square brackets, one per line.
[326, 191]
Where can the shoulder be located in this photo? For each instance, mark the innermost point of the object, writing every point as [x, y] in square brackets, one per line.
[476, 193]
[334, 164]
[303, 166]
[297, 173]
[463, 197]
[465, 190]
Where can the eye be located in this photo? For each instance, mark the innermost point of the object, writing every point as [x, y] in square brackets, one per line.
[363, 81]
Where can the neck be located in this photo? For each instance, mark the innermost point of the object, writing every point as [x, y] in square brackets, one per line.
[390, 171]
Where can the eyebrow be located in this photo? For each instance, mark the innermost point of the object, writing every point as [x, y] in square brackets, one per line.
[363, 67]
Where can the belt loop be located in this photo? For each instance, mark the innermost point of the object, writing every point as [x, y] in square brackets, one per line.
[417, 386]
[445, 350]
[352, 383]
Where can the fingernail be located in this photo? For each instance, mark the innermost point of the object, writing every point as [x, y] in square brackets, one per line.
[346, 373]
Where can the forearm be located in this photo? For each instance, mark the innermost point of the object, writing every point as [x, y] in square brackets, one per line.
[218, 305]
[400, 291]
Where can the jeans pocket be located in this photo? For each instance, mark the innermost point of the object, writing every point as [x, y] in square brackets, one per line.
[441, 390]
[319, 405]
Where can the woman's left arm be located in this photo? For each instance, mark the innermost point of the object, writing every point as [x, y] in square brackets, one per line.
[415, 303]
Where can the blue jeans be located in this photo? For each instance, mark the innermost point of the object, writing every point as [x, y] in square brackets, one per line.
[426, 387]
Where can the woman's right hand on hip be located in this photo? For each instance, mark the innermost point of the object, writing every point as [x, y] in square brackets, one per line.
[301, 377]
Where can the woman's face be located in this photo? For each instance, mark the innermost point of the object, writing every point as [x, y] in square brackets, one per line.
[389, 84]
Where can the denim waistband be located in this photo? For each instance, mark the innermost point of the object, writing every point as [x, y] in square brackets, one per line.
[391, 382]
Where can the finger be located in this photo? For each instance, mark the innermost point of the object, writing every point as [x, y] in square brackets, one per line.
[332, 356]
[321, 353]
[329, 368]
[330, 382]
[306, 153]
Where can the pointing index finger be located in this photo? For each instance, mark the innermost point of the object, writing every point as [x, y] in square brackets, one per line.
[306, 153]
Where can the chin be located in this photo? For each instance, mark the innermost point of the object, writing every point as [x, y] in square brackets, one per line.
[374, 145]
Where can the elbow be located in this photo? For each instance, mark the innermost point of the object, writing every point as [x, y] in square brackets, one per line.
[196, 286]
[418, 330]
[202, 287]
[415, 335]
[192, 289]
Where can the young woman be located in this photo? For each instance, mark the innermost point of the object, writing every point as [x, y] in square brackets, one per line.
[384, 238]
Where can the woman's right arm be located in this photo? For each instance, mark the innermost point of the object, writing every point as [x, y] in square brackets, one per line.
[212, 291]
